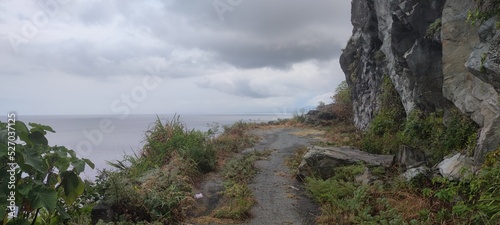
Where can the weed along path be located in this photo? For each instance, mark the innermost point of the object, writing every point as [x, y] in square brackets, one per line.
[280, 198]
[277, 196]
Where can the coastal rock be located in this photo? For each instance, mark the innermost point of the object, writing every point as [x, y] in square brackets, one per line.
[471, 70]
[436, 60]
[412, 173]
[455, 167]
[408, 158]
[322, 115]
[392, 38]
[322, 161]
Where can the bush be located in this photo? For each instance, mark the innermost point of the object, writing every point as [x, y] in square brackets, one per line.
[342, 106]
[164, 141]
[44, 181]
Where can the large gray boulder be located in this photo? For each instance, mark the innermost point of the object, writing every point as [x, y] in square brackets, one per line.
[408, 158]
[456, 167]
[322, 161]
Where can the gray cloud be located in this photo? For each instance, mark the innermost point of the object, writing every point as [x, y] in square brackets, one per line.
[271, 48]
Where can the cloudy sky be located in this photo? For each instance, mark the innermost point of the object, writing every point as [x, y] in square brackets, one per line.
[166, 56]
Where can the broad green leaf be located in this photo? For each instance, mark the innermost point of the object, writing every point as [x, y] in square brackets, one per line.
[34, 159]
[41, 128]
[90, 163]
[25, 189]
[22, 131]
[78, 166]
[43, 197]
[73, 186]
[62, 164]
[37, 137]
[71, 153]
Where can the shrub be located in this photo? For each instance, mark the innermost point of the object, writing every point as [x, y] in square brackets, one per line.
[342, 106]
[44, 180]
[173, 137]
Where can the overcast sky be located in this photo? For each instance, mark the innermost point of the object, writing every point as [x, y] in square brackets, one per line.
[166, 56]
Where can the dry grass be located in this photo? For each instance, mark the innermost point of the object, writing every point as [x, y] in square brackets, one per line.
[407, 204]
[343, 134]
[308, 132]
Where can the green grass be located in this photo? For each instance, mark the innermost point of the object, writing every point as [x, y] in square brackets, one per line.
[155, 187]
[474, 200]
[238, 198]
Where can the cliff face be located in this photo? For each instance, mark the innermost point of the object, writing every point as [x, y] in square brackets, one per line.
[434, 57]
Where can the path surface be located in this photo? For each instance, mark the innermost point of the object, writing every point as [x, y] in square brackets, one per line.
[280, 197]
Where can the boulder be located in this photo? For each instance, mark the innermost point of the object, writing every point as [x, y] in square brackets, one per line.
[320, 115]
[408, 158]
[456, 167]
[322, 161]
[102, 212]
[415, 172]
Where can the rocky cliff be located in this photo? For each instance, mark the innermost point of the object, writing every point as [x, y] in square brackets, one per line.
[433, 56]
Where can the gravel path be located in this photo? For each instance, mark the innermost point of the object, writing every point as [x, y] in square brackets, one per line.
[280, 197]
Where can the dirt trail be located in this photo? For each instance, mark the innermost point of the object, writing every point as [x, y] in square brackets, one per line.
[280, 197]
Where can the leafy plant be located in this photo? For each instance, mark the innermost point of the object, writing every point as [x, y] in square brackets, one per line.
[44, 179]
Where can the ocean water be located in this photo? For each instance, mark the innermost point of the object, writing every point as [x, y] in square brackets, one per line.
[103, 138]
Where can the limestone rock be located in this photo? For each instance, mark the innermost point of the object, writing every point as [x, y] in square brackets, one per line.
[455, 167]
[390, 37]
[414, 172]
[322, 161]
[434, 67]
[408, 158]
[470, 71]
[322, 115]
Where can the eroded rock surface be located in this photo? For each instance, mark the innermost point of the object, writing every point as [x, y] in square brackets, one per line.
[436, 60]
[322, 161]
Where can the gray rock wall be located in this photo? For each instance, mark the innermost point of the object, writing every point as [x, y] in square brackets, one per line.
[433, 65]
[471, 73]
[391, 38]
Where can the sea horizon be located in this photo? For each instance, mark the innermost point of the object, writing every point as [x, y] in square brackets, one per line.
[103, 138]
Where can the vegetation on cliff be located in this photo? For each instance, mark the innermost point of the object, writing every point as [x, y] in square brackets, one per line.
[392, 199]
